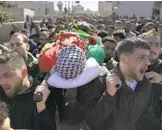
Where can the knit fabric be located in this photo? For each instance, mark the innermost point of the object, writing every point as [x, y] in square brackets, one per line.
[70, 62]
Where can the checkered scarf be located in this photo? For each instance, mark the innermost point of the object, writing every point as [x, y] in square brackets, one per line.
[70, 62]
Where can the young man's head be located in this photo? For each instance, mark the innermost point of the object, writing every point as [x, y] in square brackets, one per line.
[155, 44]
[13, 74]
[44, 20]
[133, 57]
[119, 35]
[127, 26]
[118, 25]
[51, 28]
[109, 46]
[27, 18]
[4, 116]
[102, 34]
[110, 30]
[43, 38]
[50, 21]
[133, 27]
[19, 44]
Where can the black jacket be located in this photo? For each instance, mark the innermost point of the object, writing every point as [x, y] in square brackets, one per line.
[23, 112]
[128, 110]
[157, 88]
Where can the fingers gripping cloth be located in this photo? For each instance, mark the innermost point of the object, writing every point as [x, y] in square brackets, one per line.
[70, 62]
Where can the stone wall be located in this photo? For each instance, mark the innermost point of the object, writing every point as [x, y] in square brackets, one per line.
[19, 13]
[6, 28]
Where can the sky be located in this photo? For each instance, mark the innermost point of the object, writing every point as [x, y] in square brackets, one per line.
[92, 5]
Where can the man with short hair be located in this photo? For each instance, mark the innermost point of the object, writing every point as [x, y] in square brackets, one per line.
[127, 30]
[29, 24]
[110, 30]
[154, 71]
[109, 48]
[19, 44]
[123, 99]
[102, 34]
[31, 42]
[118, 35]
[17, 91]
[43, 39]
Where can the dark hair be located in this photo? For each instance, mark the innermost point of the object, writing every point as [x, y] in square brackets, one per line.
[110, 39]
[25, 31]
[50, 26]
[4, 112]
[111, 26]
[13, 59]
[128, 46]
[44, 29]
[119, 33]
[102, 34]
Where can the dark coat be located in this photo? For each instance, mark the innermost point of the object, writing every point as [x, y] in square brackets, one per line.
[128, 110]
[157, 89]
[23, 111]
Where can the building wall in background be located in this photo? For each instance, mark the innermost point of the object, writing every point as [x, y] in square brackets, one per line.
[19, 13]
[38, 6]
[139, 8]
[104, 8]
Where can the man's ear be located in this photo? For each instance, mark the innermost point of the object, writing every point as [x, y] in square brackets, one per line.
[24, 73]
[124, 58]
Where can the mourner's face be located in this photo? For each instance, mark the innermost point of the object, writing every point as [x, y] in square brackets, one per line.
[127, 27]
[154, 42]
[10, 80]
[17, 45]
[133, 27]
[109, 48]
[137, 63]
[118, 26]
[110, 31]
[43, 39]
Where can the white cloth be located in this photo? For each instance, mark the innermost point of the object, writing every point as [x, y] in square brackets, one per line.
[91, 71]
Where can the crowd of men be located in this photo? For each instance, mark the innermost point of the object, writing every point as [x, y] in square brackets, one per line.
[129, 97]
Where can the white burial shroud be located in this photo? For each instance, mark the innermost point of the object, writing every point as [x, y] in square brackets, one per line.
[92, 70]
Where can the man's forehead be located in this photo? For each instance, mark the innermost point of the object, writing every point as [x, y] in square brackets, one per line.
[17, 38]
[44, 36]
[141, 51]
[4, 69]
[109, 43]
[153, 39]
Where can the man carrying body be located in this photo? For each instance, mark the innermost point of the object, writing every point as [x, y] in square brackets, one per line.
[123, 99]
[17, 91]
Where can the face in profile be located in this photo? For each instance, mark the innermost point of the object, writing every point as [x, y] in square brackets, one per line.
[109, 48]
[127, 27]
